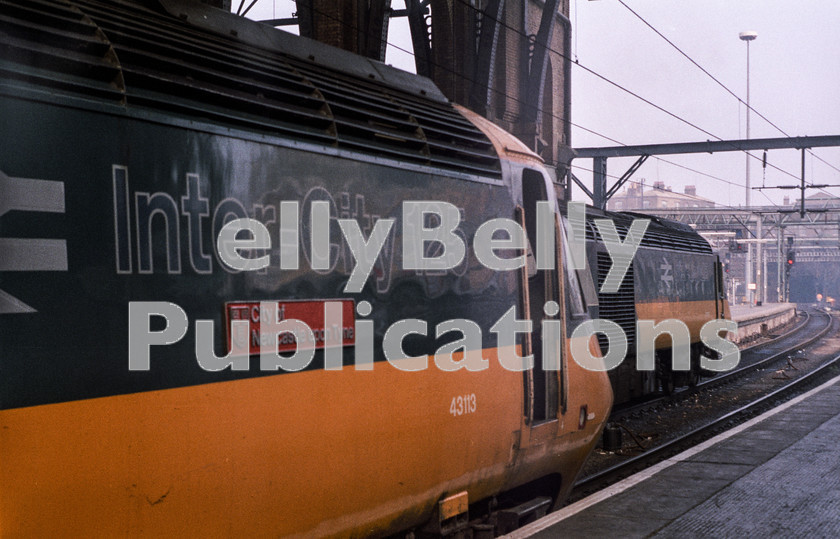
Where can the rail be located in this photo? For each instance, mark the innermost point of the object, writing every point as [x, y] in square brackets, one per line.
[665, 450]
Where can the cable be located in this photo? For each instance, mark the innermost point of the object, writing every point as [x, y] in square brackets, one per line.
[452, 71]
[617, 85]
[468, 79]
[690, 59]
[508, 96]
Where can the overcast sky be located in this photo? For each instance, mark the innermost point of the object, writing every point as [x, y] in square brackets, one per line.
[794, 82]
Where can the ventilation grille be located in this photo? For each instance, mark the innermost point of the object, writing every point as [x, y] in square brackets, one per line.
[54, 45]
[135, 56]
[619, 307]
[658, 235]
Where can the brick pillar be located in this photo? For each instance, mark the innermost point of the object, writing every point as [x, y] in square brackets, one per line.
[358, 26]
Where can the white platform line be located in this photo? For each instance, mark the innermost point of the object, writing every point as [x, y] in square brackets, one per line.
[621, 486]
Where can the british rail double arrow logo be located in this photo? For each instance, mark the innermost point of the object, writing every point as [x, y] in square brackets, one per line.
[29, 254]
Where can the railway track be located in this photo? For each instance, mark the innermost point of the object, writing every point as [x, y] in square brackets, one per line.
[815, 326]
[823, 323]
[598, 480]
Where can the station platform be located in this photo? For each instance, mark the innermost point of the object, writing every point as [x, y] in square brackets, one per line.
[758, 321]
[776, 475]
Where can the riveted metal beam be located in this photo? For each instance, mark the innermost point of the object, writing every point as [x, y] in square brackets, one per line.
[372, 28]
[305, 17]
[482, 88]
[626, 176]
[539, 63]
[418, 24]
[711, 146]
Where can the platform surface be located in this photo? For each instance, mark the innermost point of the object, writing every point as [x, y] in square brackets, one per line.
[776, 476]
[742, 313]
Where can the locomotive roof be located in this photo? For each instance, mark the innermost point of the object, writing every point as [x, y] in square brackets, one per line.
[661, 233]
[506, 144]
[188, 59]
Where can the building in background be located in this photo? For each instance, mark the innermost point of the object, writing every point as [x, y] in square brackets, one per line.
[637, 198]
[818, 201]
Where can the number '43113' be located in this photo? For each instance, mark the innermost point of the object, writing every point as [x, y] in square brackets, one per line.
[463, 404]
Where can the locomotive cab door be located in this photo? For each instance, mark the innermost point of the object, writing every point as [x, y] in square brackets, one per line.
[720, 290]
[540, 287]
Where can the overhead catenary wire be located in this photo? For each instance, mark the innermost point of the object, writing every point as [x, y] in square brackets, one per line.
[515, 99]
[520, 101]
[470, 80]
[615, 84]
[715, 79]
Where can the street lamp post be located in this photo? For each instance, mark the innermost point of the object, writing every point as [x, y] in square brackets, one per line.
[748, 36]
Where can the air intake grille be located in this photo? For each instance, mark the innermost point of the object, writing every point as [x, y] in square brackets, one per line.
[619, 307]
[137, 56]
[54, 45]
[658, 235]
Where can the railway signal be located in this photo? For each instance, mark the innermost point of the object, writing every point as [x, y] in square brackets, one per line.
[789, 261]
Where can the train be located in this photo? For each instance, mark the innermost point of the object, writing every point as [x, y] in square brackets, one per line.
[673, 275]
[249, 285]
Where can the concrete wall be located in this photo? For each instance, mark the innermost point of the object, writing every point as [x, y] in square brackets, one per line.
[757, 321]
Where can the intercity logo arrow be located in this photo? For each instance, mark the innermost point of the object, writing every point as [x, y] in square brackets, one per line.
[667, 277]
[29, 254]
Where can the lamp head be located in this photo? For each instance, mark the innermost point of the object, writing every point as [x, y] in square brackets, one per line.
[749, 35]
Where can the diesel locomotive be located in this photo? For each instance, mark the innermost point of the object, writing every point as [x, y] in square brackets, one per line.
[673, 275]
[133, 134]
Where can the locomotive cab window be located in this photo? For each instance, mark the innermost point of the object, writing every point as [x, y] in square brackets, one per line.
[721, 287]
[575, 280]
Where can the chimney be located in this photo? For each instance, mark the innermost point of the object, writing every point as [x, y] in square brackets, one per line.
[659, 185]
[691, 190]
[786, 201]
